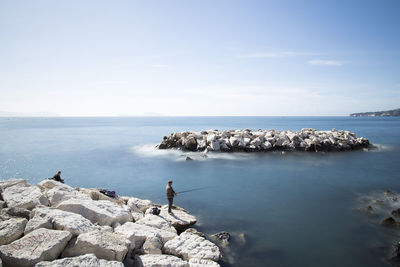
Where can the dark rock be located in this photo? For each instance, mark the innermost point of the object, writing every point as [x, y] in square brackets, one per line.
[394, 254]
[191, 144]
[223, 237]
[189, 158]
[389, 222]
[17, 212]
[396, 213]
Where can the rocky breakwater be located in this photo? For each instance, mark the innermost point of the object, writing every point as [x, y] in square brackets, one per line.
[53, 224]
[269, 140]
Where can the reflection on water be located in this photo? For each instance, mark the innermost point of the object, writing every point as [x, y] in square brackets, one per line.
[295, 209]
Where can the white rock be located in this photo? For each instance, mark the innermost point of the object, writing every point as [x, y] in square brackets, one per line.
[8, 183]
[11, 230]
[48, 184]
[88, 260]
[26, 197]
[179, 218]
[59, 220]
[141, 204]
[104, 245]
[138, 233]
[215, 145]
[95, 194]
[39, 245]
[211, 138]
[157, 221]
[202, 263]
[102, 212]
[159, 261]
[62, 193]
[188, 246]
[152, 245]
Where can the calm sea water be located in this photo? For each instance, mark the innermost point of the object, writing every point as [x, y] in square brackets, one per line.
[295, 209]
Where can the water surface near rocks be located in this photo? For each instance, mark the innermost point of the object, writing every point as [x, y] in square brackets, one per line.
[296, 209]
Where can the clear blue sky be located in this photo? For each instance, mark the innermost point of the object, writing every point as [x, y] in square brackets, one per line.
[107, 58]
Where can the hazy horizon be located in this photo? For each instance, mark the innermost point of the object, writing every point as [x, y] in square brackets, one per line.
[206, 58]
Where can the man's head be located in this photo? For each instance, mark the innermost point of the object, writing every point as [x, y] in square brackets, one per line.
[170, 182]
[59, 172]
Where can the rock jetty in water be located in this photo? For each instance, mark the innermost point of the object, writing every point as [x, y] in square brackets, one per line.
[53, 224]
[269, 140]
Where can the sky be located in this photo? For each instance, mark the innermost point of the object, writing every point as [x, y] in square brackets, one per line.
[199, 58]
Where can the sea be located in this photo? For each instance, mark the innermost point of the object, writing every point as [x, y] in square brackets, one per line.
[281, 209]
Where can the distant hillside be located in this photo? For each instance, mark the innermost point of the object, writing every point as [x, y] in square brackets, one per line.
[388, 113]
[20, 114]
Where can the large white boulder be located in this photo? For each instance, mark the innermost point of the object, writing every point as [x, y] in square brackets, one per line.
[11, 230]
[159, 261]
[152, 245]
[157, 221]
[62, 193]
[95, 194]
[105, 245]
[137, 203]
[138, 233]
[179, 218]
[26, 197]
[48, 184]
[8, 183]
[39, 245]
[202, 263]
[188, 246]
[59, 220]
[87, 260]
[102, 212]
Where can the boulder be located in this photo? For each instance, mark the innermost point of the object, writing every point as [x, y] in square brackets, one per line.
[62, 193]
[188, 246]
[152, 245]
[202, 263]
[191, 144]
[39, 245]
[48, 184]
[59, 220]
[179, 218]
[159, 261]
[215, 145]
[105, 245]
[8, 183]
[157, 221]
[222, 237]
[138, 233]
[390, 222]
[87, 260]
[102, 212]
[95, 194]
[26, 197]
[16, 212]
[11, 230]
[141, 204]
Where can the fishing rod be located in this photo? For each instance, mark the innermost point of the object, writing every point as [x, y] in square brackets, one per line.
[194, 189]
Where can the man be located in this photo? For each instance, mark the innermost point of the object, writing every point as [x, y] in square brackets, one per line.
[170, 195]
[58, 178]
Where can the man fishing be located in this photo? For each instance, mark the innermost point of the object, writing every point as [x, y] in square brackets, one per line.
[170, 195]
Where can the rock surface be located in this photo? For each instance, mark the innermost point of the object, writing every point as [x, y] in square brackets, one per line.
[188, 246]
[17, 212]
[251, 141]
[104, 245]
[157, 221]
[159, 261]
[39, 245]
[26, 197]
[102, 212]
[88, 260]
[64, 192]
[8, 183]
[59, 220]
[11, 230]
[141, 204]
[202, 263]
[179, 218]
[138, 233]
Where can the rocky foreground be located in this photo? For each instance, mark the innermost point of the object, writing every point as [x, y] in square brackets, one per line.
[269, 140]
[53, 224]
